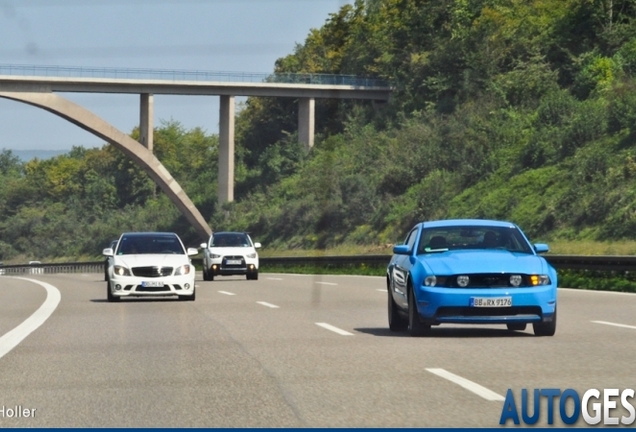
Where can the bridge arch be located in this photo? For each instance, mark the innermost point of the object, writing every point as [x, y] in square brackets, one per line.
[88, 121]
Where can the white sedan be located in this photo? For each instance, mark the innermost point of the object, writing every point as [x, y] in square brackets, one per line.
[150, 264]
[230, 253]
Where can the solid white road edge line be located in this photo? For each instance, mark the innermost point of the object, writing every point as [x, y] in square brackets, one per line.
[334, 329]
[11, 339]
[269, 305]
[226, 293]
[615, 325]
[468, 385]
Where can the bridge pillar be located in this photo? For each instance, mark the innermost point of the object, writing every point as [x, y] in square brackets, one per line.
[146, 125]
[306, 121]
[226, 150]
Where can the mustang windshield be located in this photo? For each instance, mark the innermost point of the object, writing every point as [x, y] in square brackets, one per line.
[442, 239]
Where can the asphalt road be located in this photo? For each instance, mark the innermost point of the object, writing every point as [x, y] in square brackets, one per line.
[286, 351]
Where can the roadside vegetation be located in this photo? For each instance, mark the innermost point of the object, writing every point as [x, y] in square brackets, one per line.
[504, 109]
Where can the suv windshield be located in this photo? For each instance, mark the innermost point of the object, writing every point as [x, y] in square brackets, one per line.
[472, 237]
[230, 240]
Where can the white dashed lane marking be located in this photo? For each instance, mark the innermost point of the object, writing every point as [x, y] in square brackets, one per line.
[326, 283]
[226, 293]
[273, 278]
[334, 329]
[615, 325]
[467, 384]
[269, 305]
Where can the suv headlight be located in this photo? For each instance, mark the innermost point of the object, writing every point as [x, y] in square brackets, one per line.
[214, 256]
[251, 255]
[121, 270]
[183, 270]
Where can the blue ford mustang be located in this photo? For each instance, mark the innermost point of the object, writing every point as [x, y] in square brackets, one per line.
[472, 272]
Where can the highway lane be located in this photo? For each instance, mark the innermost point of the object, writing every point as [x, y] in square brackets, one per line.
[251, 353]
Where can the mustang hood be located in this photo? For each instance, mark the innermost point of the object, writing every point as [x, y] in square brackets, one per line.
[485, 261]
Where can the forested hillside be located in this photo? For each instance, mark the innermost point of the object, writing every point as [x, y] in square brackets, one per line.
[507, 109]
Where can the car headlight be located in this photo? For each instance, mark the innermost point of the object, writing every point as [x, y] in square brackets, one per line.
[214, 256]
[430, 281]
[121, 270]
[515, 280]
[463, 281]
[183, 270]
[251, 255]
[536, 280]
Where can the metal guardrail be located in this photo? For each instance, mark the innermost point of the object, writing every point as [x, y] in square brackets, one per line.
[562, 262]
[189, 75]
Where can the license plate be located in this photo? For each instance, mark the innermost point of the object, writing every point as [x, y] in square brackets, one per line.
[233, 262]
[152, 284]
[491, 301]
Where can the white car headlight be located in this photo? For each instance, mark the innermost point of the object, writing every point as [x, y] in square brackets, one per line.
[183, 270]
[251, 255]
[121, 270]
[214, 256]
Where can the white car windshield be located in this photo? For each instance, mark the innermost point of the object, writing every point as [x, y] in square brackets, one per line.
[142, 244]
[230, 240]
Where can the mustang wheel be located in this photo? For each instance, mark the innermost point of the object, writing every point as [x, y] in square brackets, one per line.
[416, 328]
[516, 327]
[397, 322]
[546, 329]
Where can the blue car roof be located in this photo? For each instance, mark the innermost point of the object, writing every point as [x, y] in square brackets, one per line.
[466, 222]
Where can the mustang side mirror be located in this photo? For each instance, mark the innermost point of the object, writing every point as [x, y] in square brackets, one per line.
[541, 248]
[401, 249]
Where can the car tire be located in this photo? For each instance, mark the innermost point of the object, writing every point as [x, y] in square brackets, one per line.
[516, 327]
[415, 326]
[546, 328]
[252, 276]
[109, 295]
[397, 322]
[189, 297]
[205, 273]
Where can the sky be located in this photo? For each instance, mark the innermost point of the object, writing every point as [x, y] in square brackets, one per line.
[193, 35]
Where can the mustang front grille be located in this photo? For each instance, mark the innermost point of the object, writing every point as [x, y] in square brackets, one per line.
[486, 280]
[498, 311]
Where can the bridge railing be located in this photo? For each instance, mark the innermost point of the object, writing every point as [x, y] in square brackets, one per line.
[189, 75]
[564, 262]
